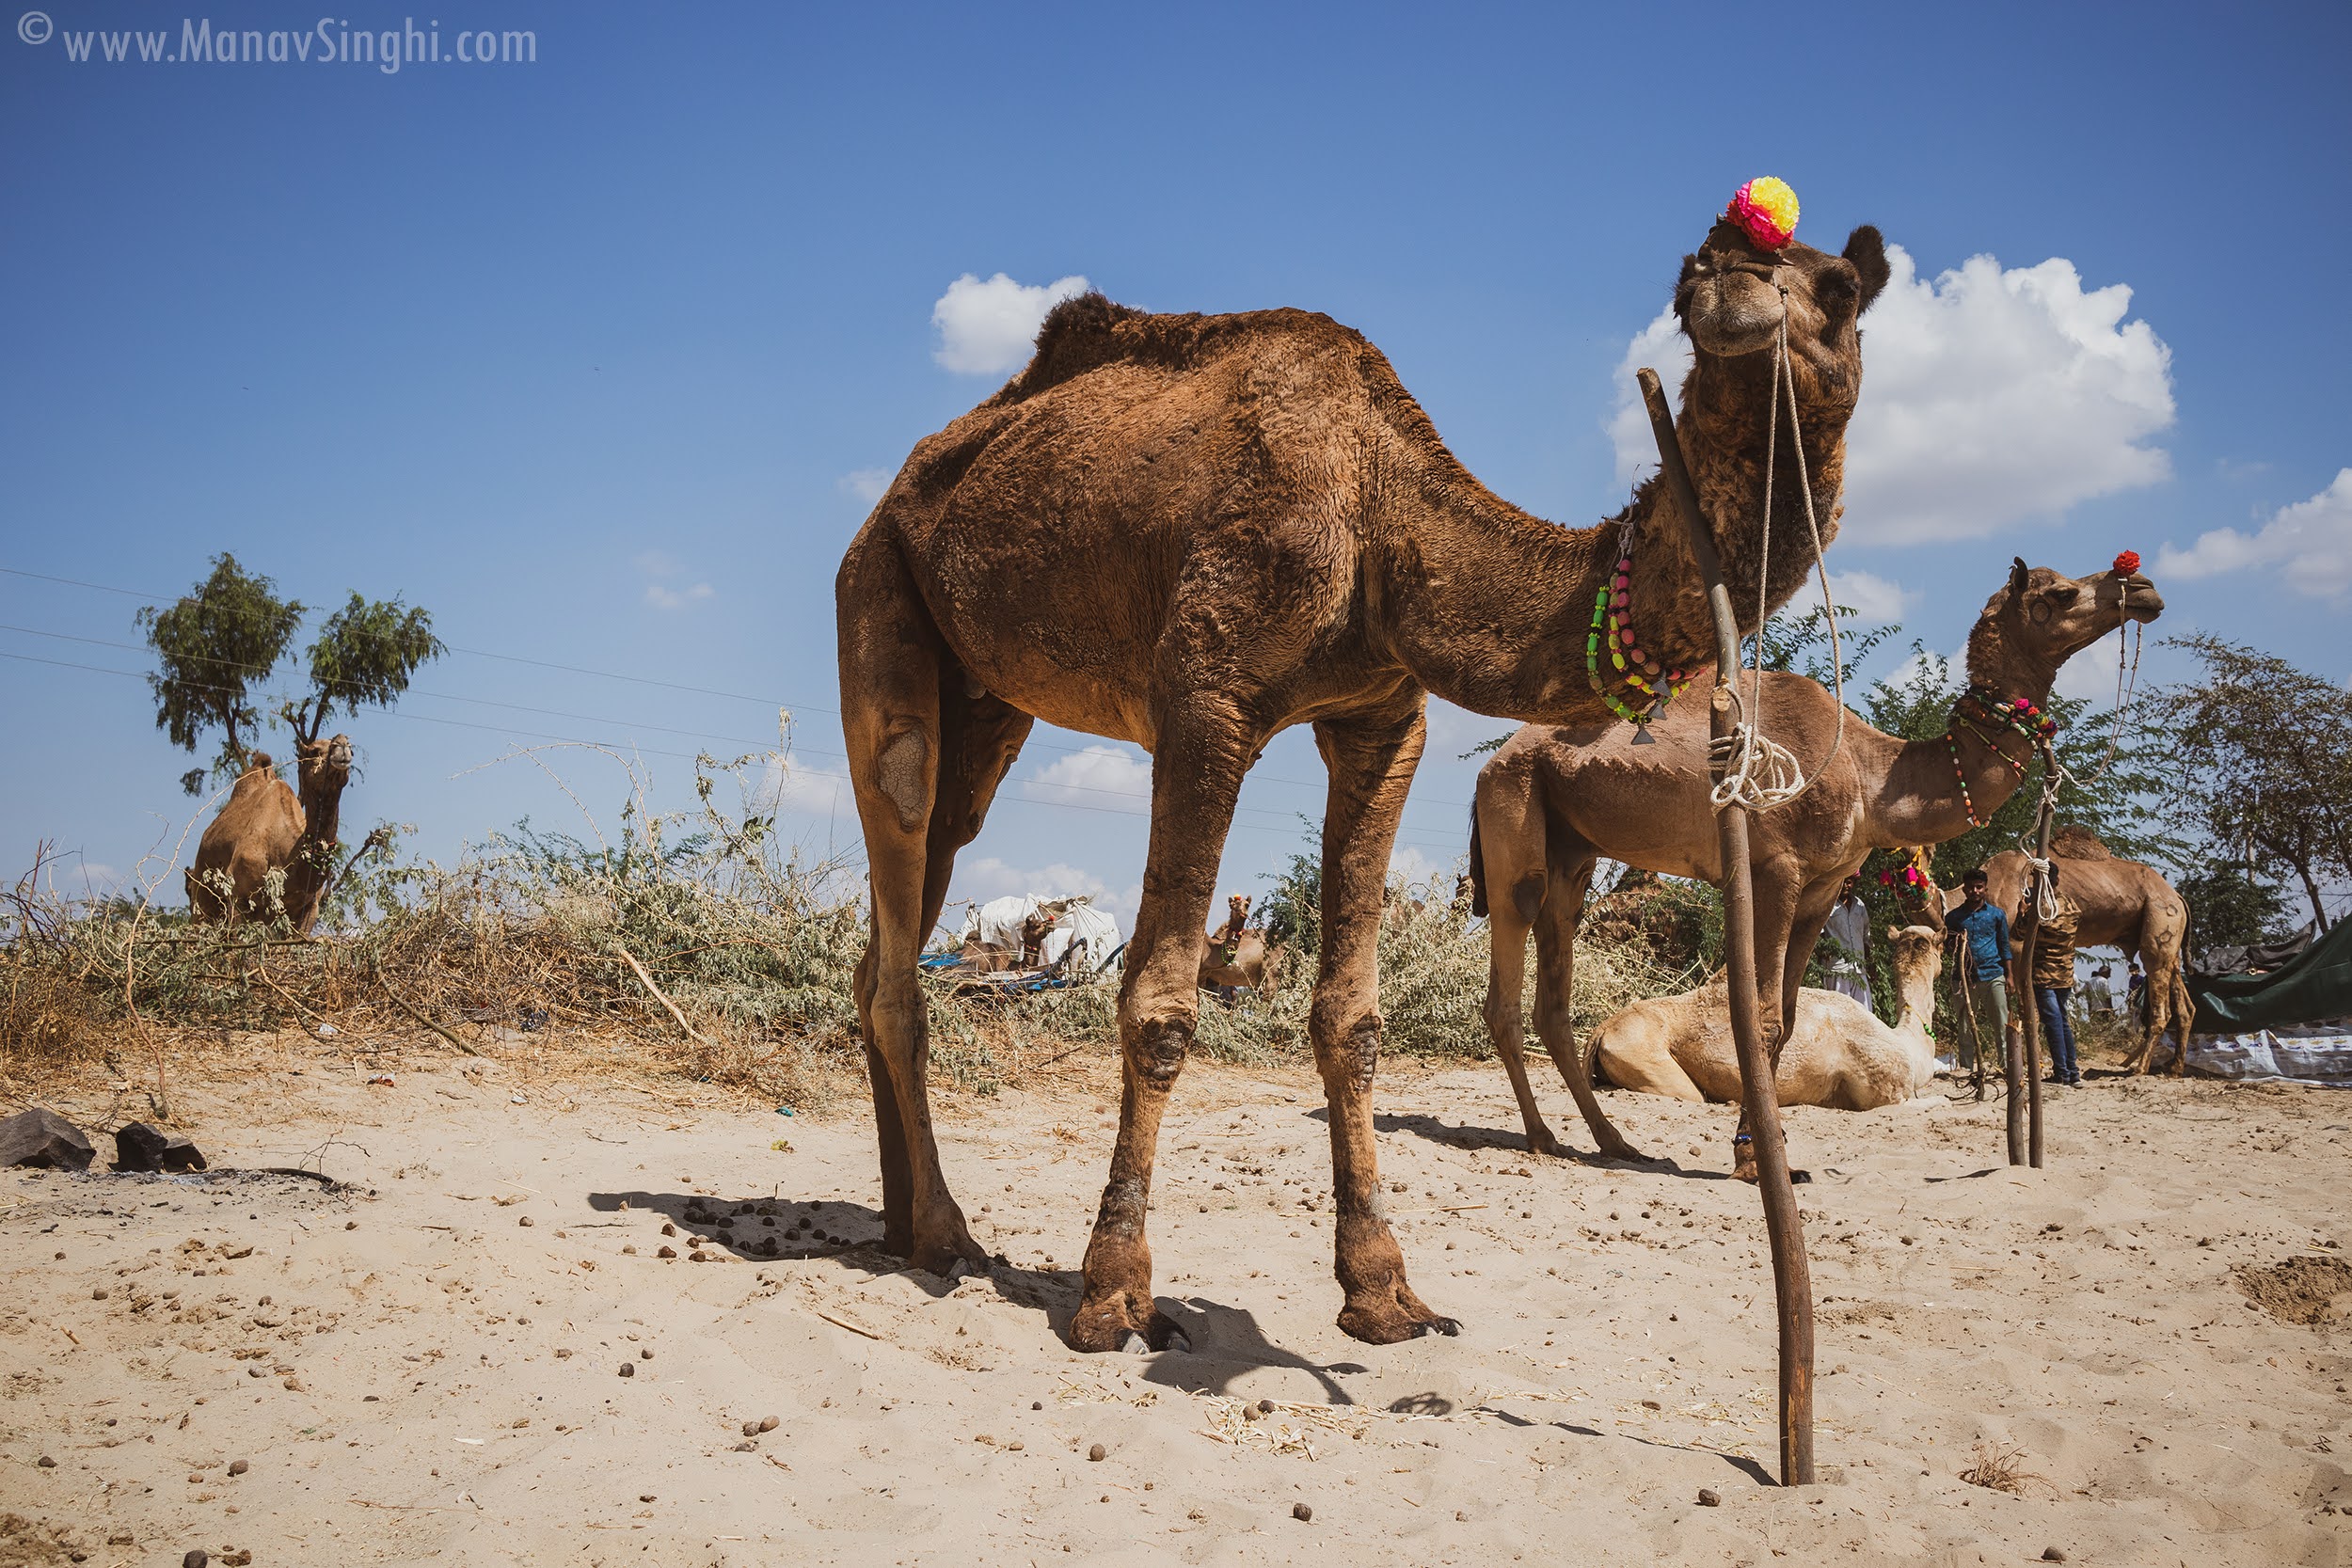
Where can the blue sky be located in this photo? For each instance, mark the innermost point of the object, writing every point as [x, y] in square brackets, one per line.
[594, 355]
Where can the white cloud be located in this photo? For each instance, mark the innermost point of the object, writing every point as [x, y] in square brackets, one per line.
[1872, 597]
[1111, 776]
[2311, 541]
[786, 785]
[988, 328]
[1990, 397]
[867, 484]
[663, 569]
[1408, 862]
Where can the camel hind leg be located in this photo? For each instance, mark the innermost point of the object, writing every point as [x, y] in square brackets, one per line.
[1570, 878]
[924, 760]
[1507, 834]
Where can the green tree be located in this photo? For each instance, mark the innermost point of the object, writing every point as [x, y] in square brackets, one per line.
[2230, 907]
[2258, 756]
[216, 646]
[212, 647]
[1292, 911]
[364, 657]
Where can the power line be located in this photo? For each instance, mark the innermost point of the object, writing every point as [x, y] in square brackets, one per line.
[616, 675]
[691, 756]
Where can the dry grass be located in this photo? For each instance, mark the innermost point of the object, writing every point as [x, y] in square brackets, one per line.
[1999, 1469]
[693, 945]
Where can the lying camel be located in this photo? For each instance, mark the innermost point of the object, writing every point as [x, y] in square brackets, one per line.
[1554, 800]
[1840, 1055]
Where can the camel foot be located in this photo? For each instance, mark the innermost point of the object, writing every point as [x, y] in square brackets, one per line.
[950, 1251]
[1796, 1178]
[1117, 1319]
[1544, 1144]
[1391, 1316]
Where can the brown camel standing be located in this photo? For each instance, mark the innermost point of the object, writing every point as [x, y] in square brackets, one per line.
[1554, 798]
[1235, 955]
[1191, 532]
[1840, 1054]
[2125, 905]
[264, 827]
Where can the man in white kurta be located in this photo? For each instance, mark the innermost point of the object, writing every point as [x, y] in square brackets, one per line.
[1846, 939]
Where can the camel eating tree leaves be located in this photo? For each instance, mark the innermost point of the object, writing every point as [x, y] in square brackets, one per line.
[214, 645]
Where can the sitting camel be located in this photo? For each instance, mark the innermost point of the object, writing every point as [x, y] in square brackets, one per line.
[2124, 905]
[264, 827]
[1839, 1055]
[1237, 956]
[1554, 800]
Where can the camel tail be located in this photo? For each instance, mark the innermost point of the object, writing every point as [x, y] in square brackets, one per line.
[1477, 867]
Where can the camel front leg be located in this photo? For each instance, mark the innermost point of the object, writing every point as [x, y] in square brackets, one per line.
[1555, 978]
[1196, 770]
[1371, 762]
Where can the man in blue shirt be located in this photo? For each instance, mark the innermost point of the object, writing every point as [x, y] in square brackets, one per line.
[1983, 930]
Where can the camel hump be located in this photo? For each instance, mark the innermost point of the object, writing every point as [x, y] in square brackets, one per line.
[2078, 843]
[259, 762]
[1089, 331]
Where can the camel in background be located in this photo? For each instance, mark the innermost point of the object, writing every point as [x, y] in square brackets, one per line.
[264, 827]
[1554, 798]
[1237, 956]
[2124, 905]
[1839, 1055]
[1191, 532]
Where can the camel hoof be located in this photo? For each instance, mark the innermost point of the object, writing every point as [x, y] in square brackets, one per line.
[1447, 1327]
[1166, 1336]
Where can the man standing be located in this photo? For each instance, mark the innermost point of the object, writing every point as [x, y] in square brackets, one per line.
[2052, 942]
[1847, 937]
[1982, 930]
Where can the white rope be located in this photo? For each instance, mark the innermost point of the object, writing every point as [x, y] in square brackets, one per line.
[1749, 767]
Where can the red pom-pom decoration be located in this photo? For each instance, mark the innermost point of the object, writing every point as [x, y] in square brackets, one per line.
[2127, 564]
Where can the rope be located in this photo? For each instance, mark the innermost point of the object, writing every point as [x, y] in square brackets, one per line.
[1749, 767]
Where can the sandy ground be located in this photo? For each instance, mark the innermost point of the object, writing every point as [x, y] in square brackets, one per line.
[430, 1368]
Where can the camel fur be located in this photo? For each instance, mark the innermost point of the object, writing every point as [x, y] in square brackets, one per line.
[2124, 905]
[265, 828]
[1190, 532]
[1839, 1055]
[1556, 798]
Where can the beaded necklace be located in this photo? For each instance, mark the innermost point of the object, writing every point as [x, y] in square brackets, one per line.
[1633, 666]
[1978, 705]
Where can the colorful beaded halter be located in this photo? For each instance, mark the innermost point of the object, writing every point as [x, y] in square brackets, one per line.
[1612, 628]
[1976, 711]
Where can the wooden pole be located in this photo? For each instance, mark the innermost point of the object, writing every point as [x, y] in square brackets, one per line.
[2033, 1016]
[1760, 1099]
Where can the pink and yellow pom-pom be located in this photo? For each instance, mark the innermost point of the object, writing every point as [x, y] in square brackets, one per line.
[1766, 209]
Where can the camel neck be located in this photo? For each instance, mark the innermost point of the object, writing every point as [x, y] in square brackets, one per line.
[1490, 608]
[1925, 800]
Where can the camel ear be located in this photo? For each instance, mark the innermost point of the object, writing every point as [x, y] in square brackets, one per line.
[2017, 577]
[1894, 933]
[1866, 249]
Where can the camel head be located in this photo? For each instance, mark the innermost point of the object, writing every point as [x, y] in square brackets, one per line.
[2040, 619]
[1733, 295]
[1918, 963]
[1237, 910]
[324, 763]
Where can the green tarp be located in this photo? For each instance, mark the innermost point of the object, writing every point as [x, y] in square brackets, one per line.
[2315, 984]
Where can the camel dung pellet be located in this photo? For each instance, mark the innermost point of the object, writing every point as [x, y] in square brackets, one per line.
[668, 1229]
[1037, 1405]
[195, 1559]
[1097, 1454]
[751, 1429]
[1709, 1499]
[1461, 1515]
[526, 1222]
[351, 1225]
[644, 1353]
[45, 1463]
[238, 1467]
[2054, 1554]
[747, 1446]
[1301, 1512]
[1266, 1407]
[667, 1252]
[768, 1423]
[628, 1369]
[194, 1477]
[628, 1252]
[98, 1294]
[644, 1497]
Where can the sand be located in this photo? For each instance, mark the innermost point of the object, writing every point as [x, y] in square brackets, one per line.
[429, 1367]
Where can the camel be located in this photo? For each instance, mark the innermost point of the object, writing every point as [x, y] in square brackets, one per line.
[1190, 532]
[1237, 956]
[1553, 798]
[2124, 905]
[1840, 1054]
[264, 827]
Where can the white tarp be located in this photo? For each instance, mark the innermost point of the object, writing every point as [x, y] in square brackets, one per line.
[2318, 1054]
[998, 923]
